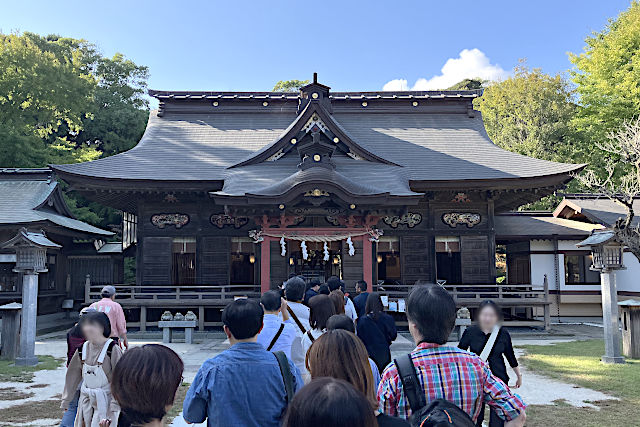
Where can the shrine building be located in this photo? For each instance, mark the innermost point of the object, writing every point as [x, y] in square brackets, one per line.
[229, 193]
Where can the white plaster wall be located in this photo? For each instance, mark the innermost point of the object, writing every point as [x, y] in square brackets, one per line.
[542, 264]
[629, 279]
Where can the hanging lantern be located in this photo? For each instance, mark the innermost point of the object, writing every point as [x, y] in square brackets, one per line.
[336, 260]
[379, 258]
[252, 259]
[291, 261]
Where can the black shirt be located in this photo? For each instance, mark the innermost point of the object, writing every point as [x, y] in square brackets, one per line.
[387, 421]
[360, 301]
[474, 340]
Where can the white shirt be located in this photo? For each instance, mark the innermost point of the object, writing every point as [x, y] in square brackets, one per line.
[350, 309]
[297, 352]
[271, 326]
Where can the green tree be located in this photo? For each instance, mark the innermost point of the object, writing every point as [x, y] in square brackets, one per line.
[530, 113]
[607, 75]
[289, 85]
[469, 84]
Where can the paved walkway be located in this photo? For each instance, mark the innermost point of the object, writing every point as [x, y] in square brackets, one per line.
[49, 384]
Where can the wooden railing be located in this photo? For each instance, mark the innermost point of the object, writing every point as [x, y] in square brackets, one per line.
[505, 295]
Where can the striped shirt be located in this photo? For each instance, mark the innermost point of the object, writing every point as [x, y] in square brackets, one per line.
[452, 374]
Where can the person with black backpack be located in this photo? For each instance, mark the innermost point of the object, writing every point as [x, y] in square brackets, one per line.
[437, 384]
[244, 385]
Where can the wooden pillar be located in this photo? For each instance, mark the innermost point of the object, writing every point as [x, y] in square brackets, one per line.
[367, 262]
[201, 318]
[265, 265]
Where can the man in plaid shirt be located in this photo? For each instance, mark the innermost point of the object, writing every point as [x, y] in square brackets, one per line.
[445, 372]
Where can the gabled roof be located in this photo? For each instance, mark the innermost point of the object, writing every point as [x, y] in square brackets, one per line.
[540, 226]
[416, 141]
[593, 208]
[30, 196]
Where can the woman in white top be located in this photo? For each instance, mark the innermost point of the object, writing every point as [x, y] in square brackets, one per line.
[321, 309]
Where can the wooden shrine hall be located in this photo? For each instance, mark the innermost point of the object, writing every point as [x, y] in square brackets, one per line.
[228, 193]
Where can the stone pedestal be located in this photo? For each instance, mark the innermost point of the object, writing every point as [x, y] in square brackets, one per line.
[612, 337]
[26, 355]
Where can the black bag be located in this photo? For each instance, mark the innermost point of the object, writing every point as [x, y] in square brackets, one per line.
[287, 376]
[439, 413]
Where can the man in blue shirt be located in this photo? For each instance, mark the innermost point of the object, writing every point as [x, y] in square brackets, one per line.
[242, 386]
[276, 334]
[360, 301]
[314, 286]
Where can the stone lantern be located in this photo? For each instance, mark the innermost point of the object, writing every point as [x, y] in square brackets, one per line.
[607, 255]
[31, 250]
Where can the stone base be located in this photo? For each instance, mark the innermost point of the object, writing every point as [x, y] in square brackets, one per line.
[613, 359]
[26, 361]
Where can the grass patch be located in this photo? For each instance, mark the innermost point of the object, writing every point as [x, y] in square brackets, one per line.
[31, 411]
[11, 393]
[24, 374]
[579, 363]
[177, 403]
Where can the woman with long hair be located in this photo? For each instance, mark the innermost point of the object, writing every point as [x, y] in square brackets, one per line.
[321, 308]
[337, 297]
[377, 330]
[340, 354]
[491, 341]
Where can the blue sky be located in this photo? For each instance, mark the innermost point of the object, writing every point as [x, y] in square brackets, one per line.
[353, 45]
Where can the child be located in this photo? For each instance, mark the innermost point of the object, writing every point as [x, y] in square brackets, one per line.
[93, 364]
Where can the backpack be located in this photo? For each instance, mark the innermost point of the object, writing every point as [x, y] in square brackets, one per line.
[439, 413]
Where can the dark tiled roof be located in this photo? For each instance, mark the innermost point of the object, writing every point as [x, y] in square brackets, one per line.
[438, 138]
[594, 208]
[540, 226]
[25, 196]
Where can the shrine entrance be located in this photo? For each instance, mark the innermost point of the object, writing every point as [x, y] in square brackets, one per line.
[317, 253]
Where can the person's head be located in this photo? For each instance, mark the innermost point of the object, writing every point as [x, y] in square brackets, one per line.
[95, 326]
[145, 381]
[242, 319]
[108, 292]
[373, 304]
[314, 284]
[294, 289]
[341, 354]
[324, 290]
[321, 308]
[361, 286]
[334, 283]
[271, 301]
[489, 314]
[337, 297]
[86, 310]
[329, 402]
[431, 313]
[341, 321]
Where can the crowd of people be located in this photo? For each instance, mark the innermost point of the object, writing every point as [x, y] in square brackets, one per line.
[301, 356]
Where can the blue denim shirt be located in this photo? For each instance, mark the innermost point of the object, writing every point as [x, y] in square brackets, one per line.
[241, 386]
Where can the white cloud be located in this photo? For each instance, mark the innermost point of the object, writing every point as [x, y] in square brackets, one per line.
[470, 63]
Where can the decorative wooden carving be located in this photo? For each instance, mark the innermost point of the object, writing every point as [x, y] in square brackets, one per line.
[176, 219]
[171, 198]
[461, 198]
[452, 219]
[410, 219]
[317, 193]
[220, 220]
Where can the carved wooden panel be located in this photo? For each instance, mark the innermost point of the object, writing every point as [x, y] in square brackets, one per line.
[156, 260]
[417, 258]
[476, 263]
[214, 260]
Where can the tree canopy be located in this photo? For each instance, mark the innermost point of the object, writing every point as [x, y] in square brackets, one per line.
[530, 114]
[607, 76]
[289, 85]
